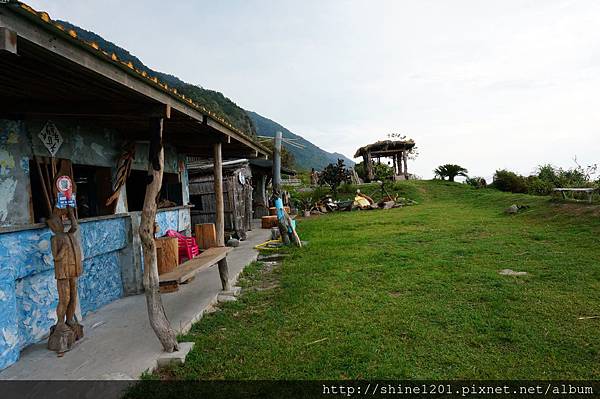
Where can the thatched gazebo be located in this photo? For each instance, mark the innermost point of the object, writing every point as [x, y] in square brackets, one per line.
[397, 150]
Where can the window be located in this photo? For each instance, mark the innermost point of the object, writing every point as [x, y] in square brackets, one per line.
[171, 193]
[93, 185]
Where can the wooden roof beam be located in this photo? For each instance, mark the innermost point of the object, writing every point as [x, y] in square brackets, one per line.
[8, 40]
[85, 110]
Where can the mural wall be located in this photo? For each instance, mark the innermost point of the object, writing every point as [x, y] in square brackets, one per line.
[112, 264]
[28, 295]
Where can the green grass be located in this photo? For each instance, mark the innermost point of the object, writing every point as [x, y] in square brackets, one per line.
[415, 293]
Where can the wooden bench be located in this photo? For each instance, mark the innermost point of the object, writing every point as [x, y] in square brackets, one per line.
[170, 281]
[588, 190]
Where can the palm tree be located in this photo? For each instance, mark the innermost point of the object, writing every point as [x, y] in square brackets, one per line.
[450, 171]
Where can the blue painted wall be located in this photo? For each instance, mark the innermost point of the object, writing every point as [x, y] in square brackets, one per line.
[28, 292]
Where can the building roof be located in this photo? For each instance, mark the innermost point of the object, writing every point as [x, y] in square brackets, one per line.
[203, 165]
[42, 20]
[267, 165]
[385, 148]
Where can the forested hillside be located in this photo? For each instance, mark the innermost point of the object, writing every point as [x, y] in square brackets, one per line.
[249, 122]
[309, 157]
[211, 99]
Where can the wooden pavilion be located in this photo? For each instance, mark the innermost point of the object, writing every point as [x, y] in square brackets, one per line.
[397, 150]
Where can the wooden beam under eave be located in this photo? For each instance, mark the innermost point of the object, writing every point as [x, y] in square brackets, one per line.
[8, 40]
[85, 109]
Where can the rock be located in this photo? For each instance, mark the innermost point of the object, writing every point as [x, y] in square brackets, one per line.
[226, 298]
[388, 204]
[275, 233]
[175, 358]
[510, 272]
[511, 210]
[234, 243]
[234, 291]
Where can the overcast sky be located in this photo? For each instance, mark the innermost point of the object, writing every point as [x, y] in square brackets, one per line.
[485, 84]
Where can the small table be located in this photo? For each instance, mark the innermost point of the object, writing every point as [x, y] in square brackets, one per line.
[588, 190]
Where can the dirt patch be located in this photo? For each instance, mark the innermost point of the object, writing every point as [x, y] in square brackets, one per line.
[578, 209]
[267, 280]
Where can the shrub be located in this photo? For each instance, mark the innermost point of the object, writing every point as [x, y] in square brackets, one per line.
[477, 182]
[334, 175]
[538, 186]
[505, 180]
[381, 171]
[548, 174]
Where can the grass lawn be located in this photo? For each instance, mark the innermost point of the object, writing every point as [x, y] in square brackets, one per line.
[414, 293]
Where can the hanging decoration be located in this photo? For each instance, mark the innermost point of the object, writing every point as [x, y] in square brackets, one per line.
[51, 138]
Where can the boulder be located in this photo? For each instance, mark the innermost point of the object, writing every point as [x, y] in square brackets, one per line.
[388, 204]
[511, 210]
[234, 243]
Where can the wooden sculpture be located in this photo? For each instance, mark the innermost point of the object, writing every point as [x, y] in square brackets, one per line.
[66, 250]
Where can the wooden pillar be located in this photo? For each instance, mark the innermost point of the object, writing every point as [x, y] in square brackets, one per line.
[405, 159]
[219, 206]
[220, 213]
[399, 158]
[395, 165]
[369, 166]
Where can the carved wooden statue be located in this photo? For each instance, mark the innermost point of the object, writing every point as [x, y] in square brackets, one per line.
[66, 250]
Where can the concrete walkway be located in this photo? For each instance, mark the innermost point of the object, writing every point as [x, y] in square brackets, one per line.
[118, 342]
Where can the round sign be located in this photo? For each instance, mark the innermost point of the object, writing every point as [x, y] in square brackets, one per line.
[64, 184]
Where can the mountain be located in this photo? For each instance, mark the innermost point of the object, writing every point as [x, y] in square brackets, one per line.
[309, 157]
[249, 122]
[212, 100]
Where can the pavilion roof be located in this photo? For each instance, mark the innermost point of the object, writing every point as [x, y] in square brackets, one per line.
[385, 147]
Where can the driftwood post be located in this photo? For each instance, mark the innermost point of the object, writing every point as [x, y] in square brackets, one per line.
[156, 312]
[220, 216]
[284, 221]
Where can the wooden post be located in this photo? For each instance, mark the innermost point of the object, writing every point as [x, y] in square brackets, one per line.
[395, 166]
[156, 312]
[399, 158]
[219, 202]
[220, 213]
[405, 159]
[369, 166]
